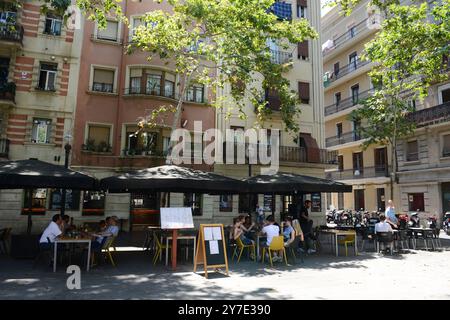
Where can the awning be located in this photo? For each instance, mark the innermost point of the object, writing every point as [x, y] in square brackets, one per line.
[170, 178]
[288, 183]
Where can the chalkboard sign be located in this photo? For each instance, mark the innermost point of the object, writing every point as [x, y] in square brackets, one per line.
[211, 248]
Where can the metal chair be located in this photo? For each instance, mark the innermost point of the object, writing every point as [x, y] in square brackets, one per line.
[403, 239]
[293, 247]
[367, 236]
[436, 233]
[109, 243]
[347, 241]
[240, 246]
[385, 238]
[159, 247]
[44, 252]
[427, 238]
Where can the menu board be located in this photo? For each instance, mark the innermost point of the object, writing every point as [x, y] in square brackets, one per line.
[316, 202]
[176, 218]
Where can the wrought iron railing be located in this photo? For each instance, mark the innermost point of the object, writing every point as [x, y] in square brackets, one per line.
[347, 103]
[345, 70]
[343, 138]
[10, 32]
[280, 57]
[360, 173]
[430, 116]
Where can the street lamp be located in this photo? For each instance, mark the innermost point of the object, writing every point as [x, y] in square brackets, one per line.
[67, 149]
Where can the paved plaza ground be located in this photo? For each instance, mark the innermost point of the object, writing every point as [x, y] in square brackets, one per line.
[415, 275]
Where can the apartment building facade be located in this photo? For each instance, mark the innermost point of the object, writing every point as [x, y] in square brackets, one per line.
[39, 61]
[346, 84]
[302, 153]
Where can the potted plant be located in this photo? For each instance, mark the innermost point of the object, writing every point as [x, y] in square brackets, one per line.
[102, 147]
[90, 144]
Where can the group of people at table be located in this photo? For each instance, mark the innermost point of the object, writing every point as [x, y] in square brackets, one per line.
[61, 227]
[291, 227]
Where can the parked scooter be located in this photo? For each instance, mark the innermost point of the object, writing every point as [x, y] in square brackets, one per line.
[446, 223]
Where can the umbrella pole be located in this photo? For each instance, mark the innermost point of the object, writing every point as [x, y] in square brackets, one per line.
[29, 205]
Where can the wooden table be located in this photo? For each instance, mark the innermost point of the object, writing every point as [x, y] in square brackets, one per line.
[71, 240]
[179, 237]
[336, 233]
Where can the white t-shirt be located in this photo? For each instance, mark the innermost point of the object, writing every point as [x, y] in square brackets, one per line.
[271, 231]
[383, 227]
[51, 232]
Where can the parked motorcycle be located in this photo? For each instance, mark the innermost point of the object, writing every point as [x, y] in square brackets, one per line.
[446, 223]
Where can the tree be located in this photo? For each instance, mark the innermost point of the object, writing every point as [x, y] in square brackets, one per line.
[409, 53]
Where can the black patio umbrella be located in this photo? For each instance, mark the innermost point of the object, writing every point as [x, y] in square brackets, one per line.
[171, 178]
[287, 183]
[33, 173]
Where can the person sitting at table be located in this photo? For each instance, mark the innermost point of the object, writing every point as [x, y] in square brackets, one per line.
[111, 226]
[390, 214]
[65, 225]
[383, 225]
[238, 231]
[271, 230]
[248, 226]
[288, 231]
[51, 233]
[101, 226]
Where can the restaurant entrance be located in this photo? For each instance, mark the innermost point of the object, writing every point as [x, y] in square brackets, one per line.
[144, 210]
[445, 188]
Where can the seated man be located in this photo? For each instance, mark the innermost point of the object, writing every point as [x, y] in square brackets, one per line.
[50, 233]
[383, 226]
[112, 230]
[271, 230]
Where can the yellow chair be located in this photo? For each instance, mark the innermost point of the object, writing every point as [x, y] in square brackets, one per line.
[241, 246]
[348, 240]
[277, 244]
[110, 243]
[159, 248]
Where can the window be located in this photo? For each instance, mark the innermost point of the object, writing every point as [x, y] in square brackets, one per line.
[8, 17]
[339, 130]
[412, 151]
[337, 98]
[303, 92]
[303, 50]
[380, 160]
[358, 164]
[194, 200]
[355, 94]
[446, 145]
[144, 201]
[359, 199]
[381, 204]
[412, 104]
[336, 68]
[445, 95]
[196, 93]
[287, 201]
[93, 203]
[352, 61]
[301, 11]
[269, 202]
[98, 138]
[226, 203]
[356, 130]
[38, 201]
[110, 32]
[247, 203]
[135, 85]
[72, 199]
[169, 85]
[166, 144]
[154, 84]
[341, 163]
[40, 133]
[53, 24]
[352, 31]
[416, 202]
[340, 201]
[141, 142]
[103, 80]
[47, 77]
[328, 195]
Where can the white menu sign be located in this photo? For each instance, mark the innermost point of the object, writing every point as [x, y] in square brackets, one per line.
[176, 218]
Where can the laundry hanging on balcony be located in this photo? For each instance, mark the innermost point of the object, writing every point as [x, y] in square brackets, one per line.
[282, 10]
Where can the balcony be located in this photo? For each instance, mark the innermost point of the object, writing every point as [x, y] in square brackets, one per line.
[331, 45]
[329, 78]
[430, 116]
[128, 152]
[4, 148]
[346, 103]
[8, 92]
[367, 172]
[287, 154]
[282, 10]
[198, 98]
[343, 138]
[280, 57]
[11, 33]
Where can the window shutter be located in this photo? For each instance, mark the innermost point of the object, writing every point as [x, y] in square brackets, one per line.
[104, 76]
[303, 49]
[110, 33]
[99, 134]
[274, 101]
[303, 3]
[303, 92]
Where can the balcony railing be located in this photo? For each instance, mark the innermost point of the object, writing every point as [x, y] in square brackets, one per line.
[280, 57]
[129, 152]
[430, 116]
[102, 87]
[282, 10]
[343, 138]
[342, 72]
[4, 148]
[347, 103]
[349, 34]
[367, 172]
[161, 93]
[286, 154]
[10, 32]
[8, 91]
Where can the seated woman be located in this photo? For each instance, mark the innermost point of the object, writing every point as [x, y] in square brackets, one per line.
[288, 231]
[238, 231]
[101, 226]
